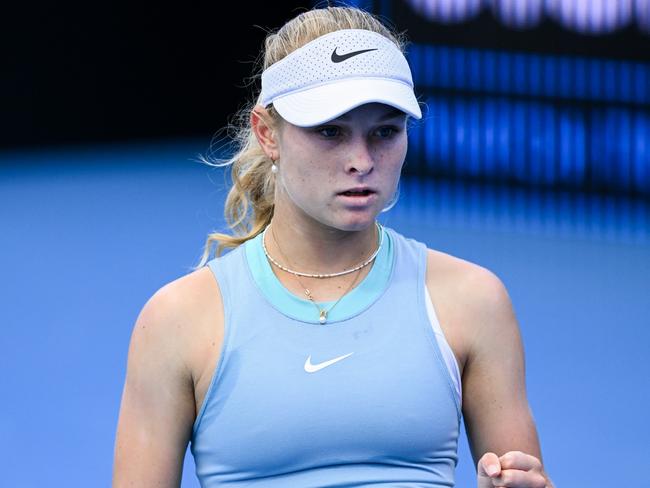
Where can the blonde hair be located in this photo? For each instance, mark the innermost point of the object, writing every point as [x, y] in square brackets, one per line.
[250, 201]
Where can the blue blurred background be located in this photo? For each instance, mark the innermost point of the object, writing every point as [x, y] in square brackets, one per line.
[533, 160]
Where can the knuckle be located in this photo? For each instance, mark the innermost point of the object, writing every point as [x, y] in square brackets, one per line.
[507, 457]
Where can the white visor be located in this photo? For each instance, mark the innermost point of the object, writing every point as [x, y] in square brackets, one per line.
[337, 72]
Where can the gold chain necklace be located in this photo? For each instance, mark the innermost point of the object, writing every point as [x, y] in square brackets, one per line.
[322, 312]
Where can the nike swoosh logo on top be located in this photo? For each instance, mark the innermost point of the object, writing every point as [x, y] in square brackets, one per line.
[312, 368]
[338, 58]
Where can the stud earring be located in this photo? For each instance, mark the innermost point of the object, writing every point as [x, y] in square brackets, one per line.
[274, 158]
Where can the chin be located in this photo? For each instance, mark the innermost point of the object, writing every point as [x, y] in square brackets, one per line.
[355, 223]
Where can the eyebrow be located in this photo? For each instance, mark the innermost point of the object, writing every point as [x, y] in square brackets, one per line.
[393, 113]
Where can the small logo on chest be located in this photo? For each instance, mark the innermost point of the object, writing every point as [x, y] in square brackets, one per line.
[312, 368]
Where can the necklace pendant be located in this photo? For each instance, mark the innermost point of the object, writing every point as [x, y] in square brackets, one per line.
[323, 316]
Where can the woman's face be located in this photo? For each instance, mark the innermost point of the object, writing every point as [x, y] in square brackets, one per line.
[363, 149]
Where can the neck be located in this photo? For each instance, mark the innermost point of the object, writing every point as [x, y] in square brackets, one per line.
[319, 248]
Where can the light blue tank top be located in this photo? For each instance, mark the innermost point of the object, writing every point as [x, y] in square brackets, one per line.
[364, 399]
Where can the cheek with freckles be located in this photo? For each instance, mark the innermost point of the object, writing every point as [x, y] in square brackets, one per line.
[308, 184]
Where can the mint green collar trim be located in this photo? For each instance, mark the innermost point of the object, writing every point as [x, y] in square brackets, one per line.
[353, 303]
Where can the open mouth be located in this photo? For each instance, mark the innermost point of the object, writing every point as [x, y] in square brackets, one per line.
[363, 193]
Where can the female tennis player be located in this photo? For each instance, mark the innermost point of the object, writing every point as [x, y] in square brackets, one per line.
[324, 349]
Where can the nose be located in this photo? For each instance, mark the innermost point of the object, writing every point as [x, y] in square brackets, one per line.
[360, 161]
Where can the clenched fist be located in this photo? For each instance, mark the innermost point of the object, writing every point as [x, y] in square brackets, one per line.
[515, 469]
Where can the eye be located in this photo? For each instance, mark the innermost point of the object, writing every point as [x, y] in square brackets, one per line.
[386, 131]
[329, 131]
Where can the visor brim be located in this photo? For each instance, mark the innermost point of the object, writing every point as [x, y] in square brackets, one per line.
[320, 104]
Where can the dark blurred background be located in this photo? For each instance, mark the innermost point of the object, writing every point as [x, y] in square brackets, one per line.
[85, 72]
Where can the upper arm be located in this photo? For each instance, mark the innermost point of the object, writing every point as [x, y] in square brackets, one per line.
[495, 406]
[157, 407]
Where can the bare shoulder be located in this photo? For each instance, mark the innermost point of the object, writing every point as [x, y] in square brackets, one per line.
[189, 309]
[179, 333]
[471, 282]
[470, 300]
[188, 290]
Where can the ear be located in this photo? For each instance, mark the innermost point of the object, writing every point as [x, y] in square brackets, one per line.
[266, 134]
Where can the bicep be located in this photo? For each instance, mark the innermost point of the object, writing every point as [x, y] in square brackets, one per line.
[157, 407]
[495, 407]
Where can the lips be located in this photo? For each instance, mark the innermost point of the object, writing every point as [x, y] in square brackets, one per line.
[358, 198]
[357, 192]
